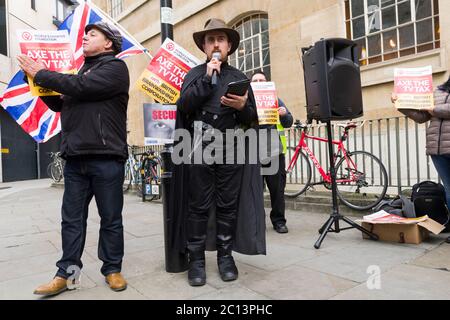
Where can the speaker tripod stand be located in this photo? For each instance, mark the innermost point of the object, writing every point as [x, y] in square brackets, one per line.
[335, 216]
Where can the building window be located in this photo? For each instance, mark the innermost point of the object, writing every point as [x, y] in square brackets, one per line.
[389, 29]
[33, 4]
[63, 8]
[3, 34]
[253, 53]
[115, 7]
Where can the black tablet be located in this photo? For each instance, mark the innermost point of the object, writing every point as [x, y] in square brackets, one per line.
[238, 88]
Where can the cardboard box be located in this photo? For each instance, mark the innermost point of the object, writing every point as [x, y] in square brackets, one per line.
[403, 233]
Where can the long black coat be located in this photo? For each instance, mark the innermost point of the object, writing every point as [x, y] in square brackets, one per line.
[250, 226]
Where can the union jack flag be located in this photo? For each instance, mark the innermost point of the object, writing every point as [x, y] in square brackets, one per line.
[30, 112]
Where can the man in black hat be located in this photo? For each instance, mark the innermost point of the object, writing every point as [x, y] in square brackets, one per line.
[93, 110]
[204, 102]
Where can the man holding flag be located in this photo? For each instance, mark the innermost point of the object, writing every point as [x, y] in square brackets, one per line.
[93, 110]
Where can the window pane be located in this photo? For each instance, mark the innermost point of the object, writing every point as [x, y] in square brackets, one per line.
[373, 5]
[248, 62]
[264, 25]
[248, 46]
[255, 43]
[247, 29]
[357, 7]
[374, 21]
[404, 12]
[423, 9]
[358, 28]
[239, 29]
[406, 36]
[389, 17]
[265, 39]
[257, 59]
[241, 50]
[424, 31]
[385, 3]
[3, 42]
[362, 51]
[255, 26]
[374, 44]
[266, 57]
[390, 42]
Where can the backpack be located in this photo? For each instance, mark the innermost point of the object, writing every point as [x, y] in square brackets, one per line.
[400, 206]
[429, 199]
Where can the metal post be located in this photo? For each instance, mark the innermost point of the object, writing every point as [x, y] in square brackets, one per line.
[175, 260]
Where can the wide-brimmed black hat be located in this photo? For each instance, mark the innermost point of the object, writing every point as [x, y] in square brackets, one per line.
[110, 31]
[217, 25]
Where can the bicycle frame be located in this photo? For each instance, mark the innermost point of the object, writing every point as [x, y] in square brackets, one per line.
[340, 152]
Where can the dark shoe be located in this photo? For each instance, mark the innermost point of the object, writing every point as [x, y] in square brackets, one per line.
[54, 287]
[116, 282]
[196, 273]
[227, 268]
[448, 240]
[281, 228]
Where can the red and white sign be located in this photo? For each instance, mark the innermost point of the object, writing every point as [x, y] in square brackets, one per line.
[164, 76]
[53, 48]
[266, 102]
[413, 87]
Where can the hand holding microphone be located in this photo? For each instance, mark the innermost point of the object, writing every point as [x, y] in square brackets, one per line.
[214, 66]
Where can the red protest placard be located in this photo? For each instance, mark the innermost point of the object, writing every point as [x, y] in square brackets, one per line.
[53, 48]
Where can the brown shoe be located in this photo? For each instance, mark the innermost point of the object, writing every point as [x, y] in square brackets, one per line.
[54, 287]
[116, 282]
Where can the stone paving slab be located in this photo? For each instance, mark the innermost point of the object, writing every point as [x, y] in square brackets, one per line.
[405, 282]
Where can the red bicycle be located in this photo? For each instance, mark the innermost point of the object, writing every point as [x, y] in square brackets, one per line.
[361, 177]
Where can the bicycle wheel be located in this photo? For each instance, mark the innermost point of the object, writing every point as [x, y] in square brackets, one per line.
[361, 180]
[299, 176]
[55, 172]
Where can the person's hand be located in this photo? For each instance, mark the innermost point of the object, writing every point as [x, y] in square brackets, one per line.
[29, 66]
[212, 65]
[394, 97]
[282, 111]
[430, 110]
[234, 101]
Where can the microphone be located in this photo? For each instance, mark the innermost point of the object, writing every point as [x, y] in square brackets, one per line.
[215, 55]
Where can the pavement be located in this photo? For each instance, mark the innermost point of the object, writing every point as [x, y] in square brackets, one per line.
[345, 267]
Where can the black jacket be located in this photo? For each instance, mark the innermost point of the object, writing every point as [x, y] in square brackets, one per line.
[198, 94]
[93, 106]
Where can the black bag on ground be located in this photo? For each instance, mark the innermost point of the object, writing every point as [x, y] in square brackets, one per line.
[429, 199]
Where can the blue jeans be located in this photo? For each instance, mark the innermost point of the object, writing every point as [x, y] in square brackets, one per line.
[83, 179]
[442, 165]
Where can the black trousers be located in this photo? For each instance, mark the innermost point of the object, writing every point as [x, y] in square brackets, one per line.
[83, 179]
[219, 183]
[276, 184]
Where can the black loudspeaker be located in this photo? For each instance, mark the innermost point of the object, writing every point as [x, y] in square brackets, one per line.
[332, 80]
